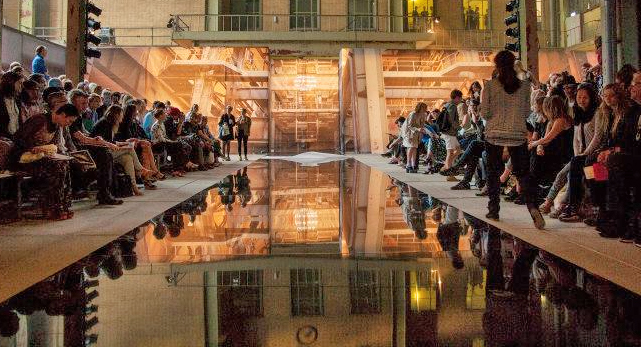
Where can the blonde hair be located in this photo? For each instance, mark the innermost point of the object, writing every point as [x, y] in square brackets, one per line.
[619, 111]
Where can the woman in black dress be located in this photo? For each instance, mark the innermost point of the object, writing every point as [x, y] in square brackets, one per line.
[226, 131]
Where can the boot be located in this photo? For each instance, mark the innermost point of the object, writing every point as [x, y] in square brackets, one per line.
[630, 231]
[609, 227]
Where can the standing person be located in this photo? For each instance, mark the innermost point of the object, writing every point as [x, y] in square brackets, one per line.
[226, 130]
[38, 65]
[449, 129]
[505, 105]
[412, 129]
[244, 126]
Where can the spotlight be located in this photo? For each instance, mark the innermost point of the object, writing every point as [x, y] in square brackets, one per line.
[91, 8]
[170, 24]
[512, 19]
[93, 53]
[93, 39]
[93, 24]
[513, 47]
[512, 5]
[513, 32]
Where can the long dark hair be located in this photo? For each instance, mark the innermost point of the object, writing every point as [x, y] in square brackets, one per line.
[130, 111]
[504, 61]
[585, 116]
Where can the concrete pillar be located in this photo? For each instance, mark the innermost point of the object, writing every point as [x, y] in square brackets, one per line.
[1, 24]
[361, 128]
[376, 199]
[396, 10]
[213, 8]
[376, 100]
[211, 308]
[609, 37]
[399, 307]
[529, 37]
[370, 88]
[76, 27]
[631, 41]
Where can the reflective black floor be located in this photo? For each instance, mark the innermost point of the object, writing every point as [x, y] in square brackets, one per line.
[339, 254]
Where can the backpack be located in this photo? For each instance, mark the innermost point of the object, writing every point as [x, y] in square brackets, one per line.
[443, 120]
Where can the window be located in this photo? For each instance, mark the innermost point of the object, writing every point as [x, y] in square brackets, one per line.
[304, 14]
[365, 291]
[362, 14]
[306, 292]
[243, 290]
[243, 15]
[421, 14]
[423, 290]
[476, 14]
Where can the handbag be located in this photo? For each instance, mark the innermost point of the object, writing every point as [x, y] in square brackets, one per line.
[224, 130]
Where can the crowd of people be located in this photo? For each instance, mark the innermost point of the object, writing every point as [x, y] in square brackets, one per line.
[66, 137]
[565, 148]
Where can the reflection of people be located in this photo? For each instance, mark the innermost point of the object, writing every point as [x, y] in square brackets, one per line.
[448, 234]
[226, 192]
[242, 187]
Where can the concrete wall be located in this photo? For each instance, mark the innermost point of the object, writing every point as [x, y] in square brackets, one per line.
[139, 309]
[21, 47]
[145, 13]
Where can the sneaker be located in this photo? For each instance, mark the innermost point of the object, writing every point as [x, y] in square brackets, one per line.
[452, 179]
[483, 192]
[246, 158]
[461, 186]
[555, 212]
[546, 207]
[569, 216]
[537, 217]
[512, 196]
[627, 238]
[492, 215]
[520, 200]
[447, 172]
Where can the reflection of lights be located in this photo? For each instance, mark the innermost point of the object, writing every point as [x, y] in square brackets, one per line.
[305, 83]
[573, 14]
[305, 219]
[430, 31]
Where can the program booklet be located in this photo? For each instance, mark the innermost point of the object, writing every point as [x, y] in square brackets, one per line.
[83, 158]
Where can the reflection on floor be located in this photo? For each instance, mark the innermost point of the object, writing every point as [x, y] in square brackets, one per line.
[244, 263]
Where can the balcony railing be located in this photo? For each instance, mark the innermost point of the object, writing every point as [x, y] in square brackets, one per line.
[123, 37]
[294, 22]
[584, 32]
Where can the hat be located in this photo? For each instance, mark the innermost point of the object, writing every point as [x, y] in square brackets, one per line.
[174, 112]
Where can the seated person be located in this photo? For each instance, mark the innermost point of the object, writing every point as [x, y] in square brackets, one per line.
[178, 152]
[125, 155]
[50, 173]
[190, 129]
[11, 114]
[555, 149]
[174, 130]
[97, 147]
[130, 131]
[215, 143]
